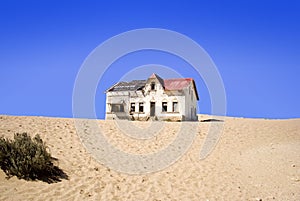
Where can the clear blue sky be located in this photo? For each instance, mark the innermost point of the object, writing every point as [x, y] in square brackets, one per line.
[254, 44]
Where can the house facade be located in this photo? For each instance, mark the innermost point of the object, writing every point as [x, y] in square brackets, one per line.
[154, 98]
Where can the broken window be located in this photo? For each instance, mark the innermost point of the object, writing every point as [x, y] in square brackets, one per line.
[141, 107]
[117, 108]
[164, 106]
[175, 106]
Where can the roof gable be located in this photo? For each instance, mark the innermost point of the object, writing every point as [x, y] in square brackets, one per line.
[159, 79]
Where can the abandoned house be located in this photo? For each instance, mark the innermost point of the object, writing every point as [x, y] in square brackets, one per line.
[154, 98]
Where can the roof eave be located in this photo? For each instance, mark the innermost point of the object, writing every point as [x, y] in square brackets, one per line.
[196, 91]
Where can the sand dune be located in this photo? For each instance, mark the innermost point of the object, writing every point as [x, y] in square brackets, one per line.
[254, 159]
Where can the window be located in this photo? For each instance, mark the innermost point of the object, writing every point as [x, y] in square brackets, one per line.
[164, 106]
[117, 108]
[175, 107]
[152, 86]
[141, 107]
[132, 107]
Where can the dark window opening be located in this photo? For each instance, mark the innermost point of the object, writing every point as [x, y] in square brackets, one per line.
[141, 107]
[152, 86]
[164, 106]
[132, 107]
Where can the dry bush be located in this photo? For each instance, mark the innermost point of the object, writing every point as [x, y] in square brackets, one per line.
[28, 159]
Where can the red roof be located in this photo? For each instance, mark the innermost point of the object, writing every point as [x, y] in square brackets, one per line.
[177, 83]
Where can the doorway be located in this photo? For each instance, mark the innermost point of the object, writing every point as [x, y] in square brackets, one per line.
[152, 109]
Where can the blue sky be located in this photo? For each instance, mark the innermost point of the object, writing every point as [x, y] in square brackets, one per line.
[254, 44]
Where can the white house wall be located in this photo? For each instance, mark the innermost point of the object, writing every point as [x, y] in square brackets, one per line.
[191, 103]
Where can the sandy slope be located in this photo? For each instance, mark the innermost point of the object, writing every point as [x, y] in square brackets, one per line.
[254, 159]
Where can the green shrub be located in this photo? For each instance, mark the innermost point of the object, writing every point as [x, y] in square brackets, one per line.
[28, 159]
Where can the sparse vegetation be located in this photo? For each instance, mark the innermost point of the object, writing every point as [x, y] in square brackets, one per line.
[28, 159]
[171, 120]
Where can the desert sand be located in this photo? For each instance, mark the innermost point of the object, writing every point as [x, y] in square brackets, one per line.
[254, 159]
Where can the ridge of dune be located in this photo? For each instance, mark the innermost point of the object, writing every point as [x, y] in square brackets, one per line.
[254, 159]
